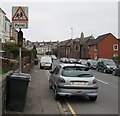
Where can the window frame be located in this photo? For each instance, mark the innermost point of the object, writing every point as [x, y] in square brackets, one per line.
[115, 45]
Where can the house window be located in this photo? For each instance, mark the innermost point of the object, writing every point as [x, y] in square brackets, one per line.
[115, 47]
[95, 56]
[77, 47]
[95, 47]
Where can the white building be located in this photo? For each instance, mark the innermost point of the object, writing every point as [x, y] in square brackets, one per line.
[4, 27]
[7, 29]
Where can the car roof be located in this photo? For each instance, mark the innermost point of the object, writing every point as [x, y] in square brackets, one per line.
[73, 64]
[105, 58]
[46, 56]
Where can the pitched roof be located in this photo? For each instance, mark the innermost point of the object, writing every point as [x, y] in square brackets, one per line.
[2, 11]
[70, 42]
[7, 19]
[92, 42]
[87, 39]
[98, 39]
[83, 41]
[64, 43]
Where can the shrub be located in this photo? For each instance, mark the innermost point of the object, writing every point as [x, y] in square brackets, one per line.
[117, 59]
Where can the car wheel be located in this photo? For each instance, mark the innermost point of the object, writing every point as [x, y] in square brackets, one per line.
[40, 66]
[104, 70]
[97, 69]
[114, 72]
[56, 95]
[50, 85]
[92, 98]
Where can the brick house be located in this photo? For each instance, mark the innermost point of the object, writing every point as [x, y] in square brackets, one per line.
[75, 53]
[104, 46]
[62, 48]
[69, 48]
[119, 47]
[75, 48]
[84, 50]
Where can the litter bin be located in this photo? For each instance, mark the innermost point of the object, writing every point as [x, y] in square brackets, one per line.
[17, 90]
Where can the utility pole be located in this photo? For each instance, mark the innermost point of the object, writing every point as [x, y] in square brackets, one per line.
[71, 33]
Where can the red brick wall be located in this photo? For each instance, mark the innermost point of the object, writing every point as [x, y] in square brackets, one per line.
[119, 48]
[91, 52]
[105, 47]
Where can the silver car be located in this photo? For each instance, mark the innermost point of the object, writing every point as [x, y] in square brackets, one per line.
[73, 80]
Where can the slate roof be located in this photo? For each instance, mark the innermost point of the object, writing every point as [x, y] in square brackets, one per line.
[64, 43]
[85, 40]
[7, 19]
[70, 42]
[2, 11]
[92, 42]
[98, 39]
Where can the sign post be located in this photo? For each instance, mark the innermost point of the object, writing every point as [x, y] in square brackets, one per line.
[20, 21]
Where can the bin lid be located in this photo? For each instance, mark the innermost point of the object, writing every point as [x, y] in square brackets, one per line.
[21, 75]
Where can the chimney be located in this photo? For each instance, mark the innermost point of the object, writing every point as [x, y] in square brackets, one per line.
[82, 35]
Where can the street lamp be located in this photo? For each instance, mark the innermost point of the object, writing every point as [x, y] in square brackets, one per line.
[71, 33]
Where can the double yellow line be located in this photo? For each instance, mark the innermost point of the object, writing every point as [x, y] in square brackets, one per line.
[68, 104]
[70, 108]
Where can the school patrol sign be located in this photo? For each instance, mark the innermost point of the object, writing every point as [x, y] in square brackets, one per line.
[20, 17]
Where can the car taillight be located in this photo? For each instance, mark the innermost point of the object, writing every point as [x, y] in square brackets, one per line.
[94, 81]
[61, 80]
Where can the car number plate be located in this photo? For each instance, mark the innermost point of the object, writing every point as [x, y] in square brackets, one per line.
[79, 83]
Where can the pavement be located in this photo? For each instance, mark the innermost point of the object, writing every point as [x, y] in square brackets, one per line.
[40, 99]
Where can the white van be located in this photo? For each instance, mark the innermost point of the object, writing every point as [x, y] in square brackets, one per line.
[45, 62]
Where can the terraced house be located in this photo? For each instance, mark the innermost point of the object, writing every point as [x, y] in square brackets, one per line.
[75, 48]
[5, 24]
[104, 46]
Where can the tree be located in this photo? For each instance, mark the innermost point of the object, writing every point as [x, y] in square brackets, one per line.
[34, 51]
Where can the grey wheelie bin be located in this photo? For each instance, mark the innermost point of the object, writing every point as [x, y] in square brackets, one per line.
[17, 90]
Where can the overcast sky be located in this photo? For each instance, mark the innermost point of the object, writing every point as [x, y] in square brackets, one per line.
[52, 21]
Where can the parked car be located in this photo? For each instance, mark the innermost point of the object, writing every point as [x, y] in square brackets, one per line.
[53, 57]
[117, 71]
[73, 80]
[92, 63]
[72, 60]
[82, 61]
[45, 62]
[106, 65]
[64, 60]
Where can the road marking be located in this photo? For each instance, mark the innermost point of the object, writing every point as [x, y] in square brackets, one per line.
[71, 109]
[102, 81]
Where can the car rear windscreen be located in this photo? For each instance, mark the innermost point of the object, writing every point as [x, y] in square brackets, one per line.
[76, 71]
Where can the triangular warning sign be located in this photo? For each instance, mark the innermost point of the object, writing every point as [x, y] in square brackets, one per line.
[19, 15]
